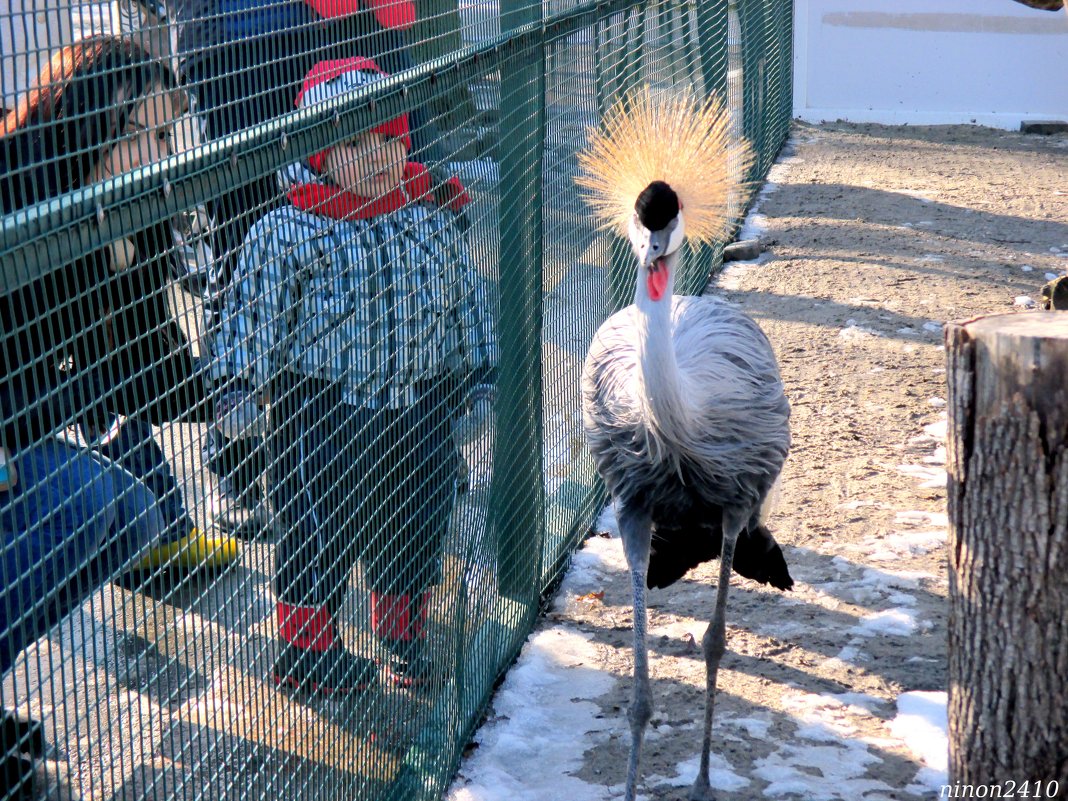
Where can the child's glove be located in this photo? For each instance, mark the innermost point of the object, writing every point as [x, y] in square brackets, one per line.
[450, 193]
[238, 414]
[477, 412]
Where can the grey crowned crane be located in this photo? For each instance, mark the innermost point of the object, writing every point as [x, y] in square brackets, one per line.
[683, 406]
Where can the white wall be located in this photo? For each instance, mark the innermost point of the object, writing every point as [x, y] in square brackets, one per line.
[924, 62]
[31, 31]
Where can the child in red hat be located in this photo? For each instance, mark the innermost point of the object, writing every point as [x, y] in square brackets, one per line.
[356, 309]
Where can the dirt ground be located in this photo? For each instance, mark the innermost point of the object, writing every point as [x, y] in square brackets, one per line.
[875, 236]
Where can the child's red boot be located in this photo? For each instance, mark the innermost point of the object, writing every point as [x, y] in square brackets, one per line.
[312, 657]
[400, 623]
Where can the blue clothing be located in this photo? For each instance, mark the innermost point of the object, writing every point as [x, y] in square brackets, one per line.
[241, 18]
[135, 450]
[205, 22]
[71, 521]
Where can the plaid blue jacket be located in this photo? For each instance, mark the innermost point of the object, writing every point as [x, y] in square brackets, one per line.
[375, 306]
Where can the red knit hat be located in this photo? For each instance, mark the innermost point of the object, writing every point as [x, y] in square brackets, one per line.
[389, 13]
[329, 79]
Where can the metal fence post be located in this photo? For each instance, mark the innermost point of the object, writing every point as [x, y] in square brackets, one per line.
[518, 496]
[712, 35]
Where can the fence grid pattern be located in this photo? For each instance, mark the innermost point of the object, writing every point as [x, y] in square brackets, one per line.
[289, 465]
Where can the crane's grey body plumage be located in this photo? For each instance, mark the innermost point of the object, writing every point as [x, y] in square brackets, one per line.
[724, 448]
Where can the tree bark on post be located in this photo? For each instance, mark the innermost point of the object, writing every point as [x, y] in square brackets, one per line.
[1008, 549]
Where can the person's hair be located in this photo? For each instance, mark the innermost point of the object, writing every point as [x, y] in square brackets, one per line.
[78, 107]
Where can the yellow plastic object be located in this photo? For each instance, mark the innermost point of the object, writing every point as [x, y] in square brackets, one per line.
[198, 550]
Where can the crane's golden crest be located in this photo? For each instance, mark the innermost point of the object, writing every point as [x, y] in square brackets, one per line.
[671, 136]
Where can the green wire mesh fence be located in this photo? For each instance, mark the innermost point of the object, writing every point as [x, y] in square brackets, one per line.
[291, 441]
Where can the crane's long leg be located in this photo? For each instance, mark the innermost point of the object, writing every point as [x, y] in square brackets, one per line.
[715, 643]
[634, 528]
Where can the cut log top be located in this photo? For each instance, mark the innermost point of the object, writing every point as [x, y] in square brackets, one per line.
[1017, 357]
[1030, 325]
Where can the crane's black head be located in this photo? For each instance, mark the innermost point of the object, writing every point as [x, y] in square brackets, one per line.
[657, 206]
[656, 233]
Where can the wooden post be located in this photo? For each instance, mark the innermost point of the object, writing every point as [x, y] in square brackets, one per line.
[1008, 549]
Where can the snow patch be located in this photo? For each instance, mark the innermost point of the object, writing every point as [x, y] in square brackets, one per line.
[685, 629]
[938, 429]
[831, 711]
[721, 775]
[756, 224]
[546, 694]
[849, 655]
[932, 473]
[589, 564]
[732, 276]
[783, 630]
[929, 477]
[922, 724]
[757, 728]
[898, 621]
[606, 521]
[856, 333]
[820, 772]
[900, 544]
[837, 767]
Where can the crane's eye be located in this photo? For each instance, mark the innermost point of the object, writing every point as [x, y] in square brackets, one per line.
[656, 246]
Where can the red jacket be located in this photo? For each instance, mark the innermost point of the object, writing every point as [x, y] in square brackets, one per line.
[389, 13]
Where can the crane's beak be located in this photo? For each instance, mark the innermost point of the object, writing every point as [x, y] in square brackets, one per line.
[657, 247]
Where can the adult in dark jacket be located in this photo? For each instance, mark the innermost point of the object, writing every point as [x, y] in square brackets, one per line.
[102, 107]
[80, 345]
[85, 344]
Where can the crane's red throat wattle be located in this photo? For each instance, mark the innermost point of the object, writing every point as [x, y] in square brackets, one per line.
[657, 280]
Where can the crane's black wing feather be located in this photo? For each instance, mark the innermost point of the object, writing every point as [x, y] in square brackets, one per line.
[676, 548]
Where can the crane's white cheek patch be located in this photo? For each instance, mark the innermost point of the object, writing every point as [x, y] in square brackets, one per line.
[657, 282]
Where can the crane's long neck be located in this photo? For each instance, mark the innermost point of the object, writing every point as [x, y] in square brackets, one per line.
[666, 410]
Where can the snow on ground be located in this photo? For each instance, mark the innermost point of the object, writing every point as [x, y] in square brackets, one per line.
[755, 225]
[539, 721]
[922, 724]
[720, 775]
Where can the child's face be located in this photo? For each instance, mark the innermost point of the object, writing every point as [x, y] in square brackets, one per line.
[371, 165]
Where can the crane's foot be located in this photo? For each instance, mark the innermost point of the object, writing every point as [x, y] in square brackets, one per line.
[701, 790]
